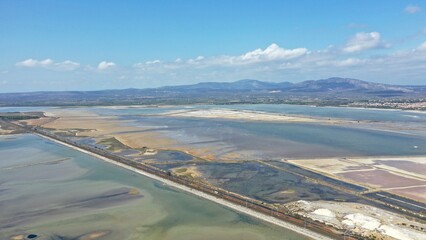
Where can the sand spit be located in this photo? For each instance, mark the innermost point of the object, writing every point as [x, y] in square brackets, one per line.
[220, 201]
[246, 115]
[4, 132]
[105, 127]
[133, 135]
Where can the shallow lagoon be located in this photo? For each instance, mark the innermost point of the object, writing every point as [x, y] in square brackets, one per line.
[59, 193]
[305, 110]
[397, 132]
[269, 140]
[336, 112]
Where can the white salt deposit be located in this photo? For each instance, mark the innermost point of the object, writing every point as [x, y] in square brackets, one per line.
[363, 221]
[348, 223]
[401, 234]
[324, 212]
[395, 233]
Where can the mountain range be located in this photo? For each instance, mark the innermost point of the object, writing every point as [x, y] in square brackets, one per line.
[323, 85]
[246, 90]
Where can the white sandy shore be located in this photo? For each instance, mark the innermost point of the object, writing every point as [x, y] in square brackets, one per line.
[235, 207]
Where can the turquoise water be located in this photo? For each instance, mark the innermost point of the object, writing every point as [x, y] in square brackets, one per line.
[59, 193]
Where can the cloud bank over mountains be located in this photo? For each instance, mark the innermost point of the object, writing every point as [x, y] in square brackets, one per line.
[364, 55]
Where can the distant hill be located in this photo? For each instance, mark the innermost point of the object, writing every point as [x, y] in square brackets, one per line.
[246, 90]
[323, 85]
[347, 84]
[241, 85]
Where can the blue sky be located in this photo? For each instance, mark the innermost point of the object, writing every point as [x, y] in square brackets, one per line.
[90, 45]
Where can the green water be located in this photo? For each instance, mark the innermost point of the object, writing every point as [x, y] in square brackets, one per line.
[59, 193]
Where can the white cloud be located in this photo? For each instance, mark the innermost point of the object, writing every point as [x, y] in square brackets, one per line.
[272, 63]
[27, 63]
[197, 60]
[271, 53]
[34, 63]
[49, 64]
[363, 41]
[67, 65]
[411, 9]
[422, 47]
[138, 65]
[277, 64]
[105, 65]
[152, 62]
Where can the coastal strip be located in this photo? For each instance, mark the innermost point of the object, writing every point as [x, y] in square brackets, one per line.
[218, 200]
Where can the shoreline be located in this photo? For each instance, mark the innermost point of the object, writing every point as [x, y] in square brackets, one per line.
[209, 104]
[224, 203]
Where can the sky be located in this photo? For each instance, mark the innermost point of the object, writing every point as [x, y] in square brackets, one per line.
[48, 45]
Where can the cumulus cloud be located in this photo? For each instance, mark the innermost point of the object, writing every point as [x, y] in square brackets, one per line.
[271, 53]
[273, 63]
[152, 62]
[412, 9]
[34, 63]
[197, 60]
[279, 64]
[207, 66]
[49, 64]
[67, 65]
[105, 65]
[363, 41]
